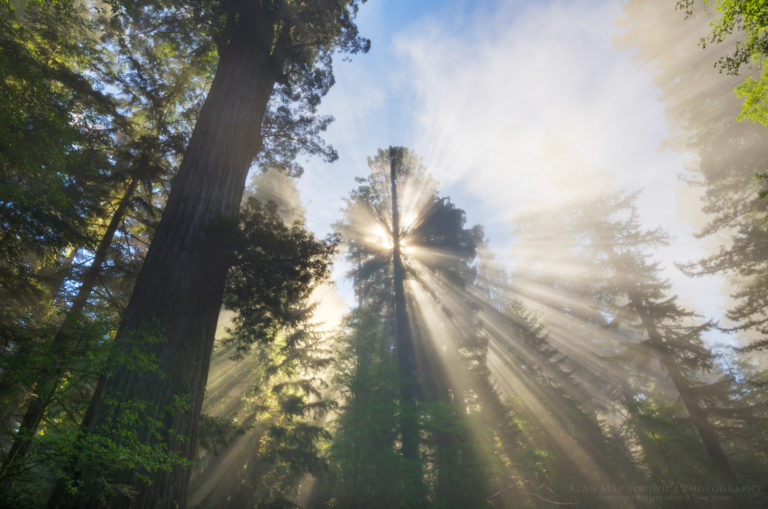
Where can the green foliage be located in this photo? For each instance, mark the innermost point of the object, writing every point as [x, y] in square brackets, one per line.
[729, 153]
[26, 482]
[747, 20]
[68, 151]
[468, 470]
[469, 438]
[674, 380]
[670, 449]
[54, 148]
[137, 353]
[366, 470]
[66, 202]
[290, 45]
[304, 38]
[115, 447]
[754, 92]
[264, 430]
[12, 4]
[430, 222]
[217, 433]
[276, 267]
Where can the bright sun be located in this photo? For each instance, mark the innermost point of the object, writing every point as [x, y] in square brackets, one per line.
[382, 238]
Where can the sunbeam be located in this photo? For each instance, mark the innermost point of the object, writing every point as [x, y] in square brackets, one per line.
[557, 297]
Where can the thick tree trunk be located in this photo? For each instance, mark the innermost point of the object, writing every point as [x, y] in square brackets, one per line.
[179, 291]
[64, 345]
[690, 400]
[406, 360]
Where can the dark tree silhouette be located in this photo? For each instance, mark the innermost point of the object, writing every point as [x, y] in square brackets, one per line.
[176, 300]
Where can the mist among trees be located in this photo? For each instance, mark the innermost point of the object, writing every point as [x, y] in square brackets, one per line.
[176, 331]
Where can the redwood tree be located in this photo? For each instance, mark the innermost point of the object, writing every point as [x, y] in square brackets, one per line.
[272, 55]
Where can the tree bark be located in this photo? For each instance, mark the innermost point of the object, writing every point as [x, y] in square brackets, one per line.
[45, 386]
[690, 400]
[409, 425]
[179, 291]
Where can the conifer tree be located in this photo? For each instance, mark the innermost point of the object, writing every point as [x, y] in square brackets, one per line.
[272, 57]
[729, 156]
[267, 402]
[455, 397]
[631, 290]
[148, 122]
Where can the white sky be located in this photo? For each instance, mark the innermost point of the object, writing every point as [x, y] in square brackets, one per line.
[514, 106]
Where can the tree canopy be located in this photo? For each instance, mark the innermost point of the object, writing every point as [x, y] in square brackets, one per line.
[747, 22]
[172, 337]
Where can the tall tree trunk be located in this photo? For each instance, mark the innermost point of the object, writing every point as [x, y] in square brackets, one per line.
[64, 345]
[406, 361]
[690, 400]
[179, 291]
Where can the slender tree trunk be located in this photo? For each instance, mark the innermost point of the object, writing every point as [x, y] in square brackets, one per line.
[179, 291]
[690, 400]
[64, 347]
[409, 424]
[14, 394]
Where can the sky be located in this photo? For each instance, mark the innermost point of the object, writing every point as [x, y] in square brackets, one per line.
[515, 106]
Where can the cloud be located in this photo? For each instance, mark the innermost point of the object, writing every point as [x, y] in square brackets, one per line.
[535, 107]
[514, 106]
[531, 102]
